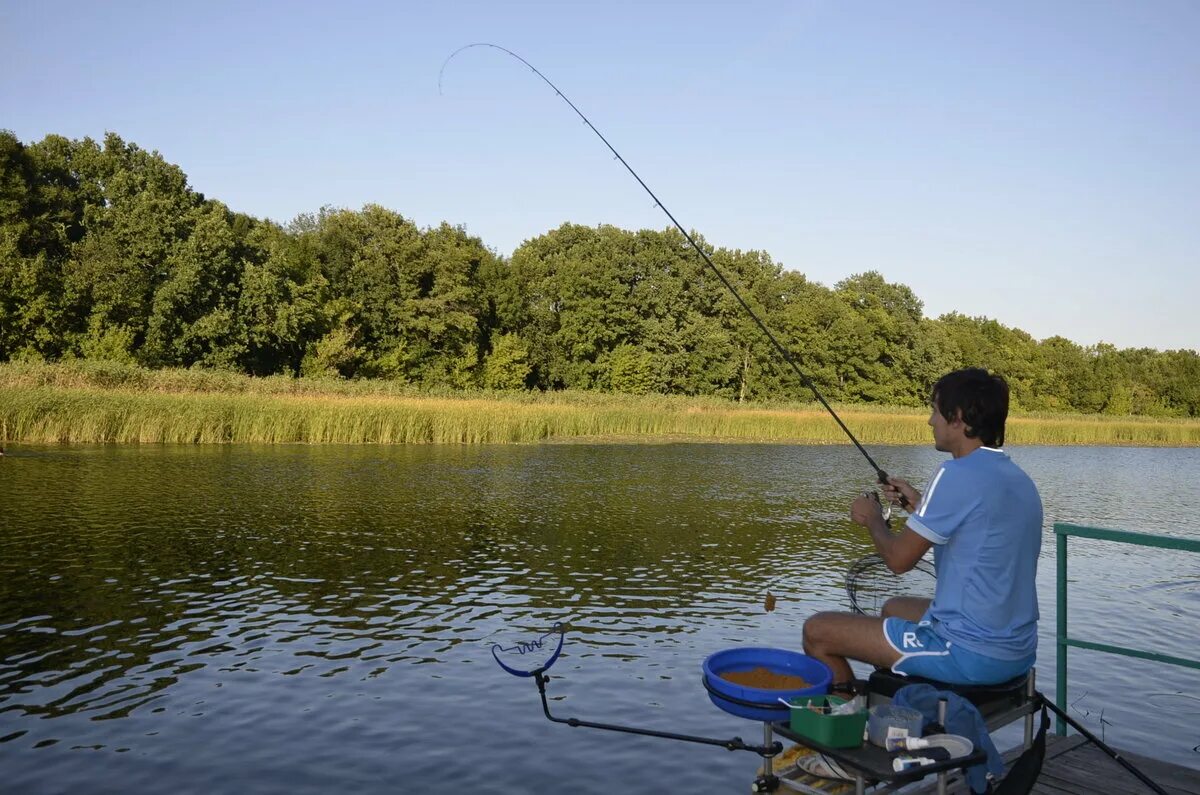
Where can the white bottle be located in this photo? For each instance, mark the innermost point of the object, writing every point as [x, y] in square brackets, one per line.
[905, 743]
[902, 763]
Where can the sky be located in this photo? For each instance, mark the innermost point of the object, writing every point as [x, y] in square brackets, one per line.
[1032, 162]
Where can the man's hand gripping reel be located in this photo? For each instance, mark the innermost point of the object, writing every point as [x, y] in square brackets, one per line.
[885, 506]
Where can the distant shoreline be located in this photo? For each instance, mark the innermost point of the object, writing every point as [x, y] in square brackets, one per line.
[68, 404]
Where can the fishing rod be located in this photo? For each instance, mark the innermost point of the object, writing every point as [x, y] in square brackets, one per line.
[1125, 763]
[879, 472]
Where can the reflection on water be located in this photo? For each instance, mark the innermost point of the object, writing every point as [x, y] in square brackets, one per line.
[311, 618]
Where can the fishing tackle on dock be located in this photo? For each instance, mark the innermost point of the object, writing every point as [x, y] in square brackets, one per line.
[783, 352]
[768, 749]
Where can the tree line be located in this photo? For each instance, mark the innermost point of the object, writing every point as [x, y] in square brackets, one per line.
[107, 253]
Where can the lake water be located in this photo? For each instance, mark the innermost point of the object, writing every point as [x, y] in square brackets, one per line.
[311, 619]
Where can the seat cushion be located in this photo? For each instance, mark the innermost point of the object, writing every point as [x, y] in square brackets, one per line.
[988, 699]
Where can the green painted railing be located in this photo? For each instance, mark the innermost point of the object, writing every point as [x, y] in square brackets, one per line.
[1062, 532]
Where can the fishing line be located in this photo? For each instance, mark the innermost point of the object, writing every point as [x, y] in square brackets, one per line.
[880, 473]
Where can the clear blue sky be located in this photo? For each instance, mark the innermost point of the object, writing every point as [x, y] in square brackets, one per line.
[1034, 162]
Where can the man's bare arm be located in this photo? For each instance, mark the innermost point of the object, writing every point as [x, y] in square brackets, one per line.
[900, 551]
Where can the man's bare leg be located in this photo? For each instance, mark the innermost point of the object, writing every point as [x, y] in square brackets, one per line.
[833, 637]
[910, 608]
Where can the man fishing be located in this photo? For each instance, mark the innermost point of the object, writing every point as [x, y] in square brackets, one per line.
[982, 515]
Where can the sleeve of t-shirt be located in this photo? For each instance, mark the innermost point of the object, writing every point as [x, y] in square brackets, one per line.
[945, 506]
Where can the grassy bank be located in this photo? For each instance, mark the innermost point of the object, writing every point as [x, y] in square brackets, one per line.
[98, 402]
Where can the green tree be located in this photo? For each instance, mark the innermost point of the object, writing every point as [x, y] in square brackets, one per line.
[575, 282]
[1065, 377]
[889, 348]
[280, 302]
[1181, 382]
[334, 355]
[507, 365]
[114, 271]
[756, 277]
[106, 252]
[42, 196]
[413, 299]
[631, 370]
[192, 312]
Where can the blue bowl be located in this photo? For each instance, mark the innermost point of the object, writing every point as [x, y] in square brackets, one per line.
[757, 703]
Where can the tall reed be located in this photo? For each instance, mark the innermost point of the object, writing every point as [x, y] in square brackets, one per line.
[87, 402]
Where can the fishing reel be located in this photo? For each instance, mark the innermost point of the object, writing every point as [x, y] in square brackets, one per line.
[885, 507]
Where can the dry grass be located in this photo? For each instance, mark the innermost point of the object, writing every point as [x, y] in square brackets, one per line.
[102, 402]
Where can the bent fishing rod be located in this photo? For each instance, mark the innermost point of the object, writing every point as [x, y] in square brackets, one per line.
[787, 357]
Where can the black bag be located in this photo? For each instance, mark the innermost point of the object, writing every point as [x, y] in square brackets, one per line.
[1025, 770]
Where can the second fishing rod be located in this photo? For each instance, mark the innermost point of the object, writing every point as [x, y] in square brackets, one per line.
[783, 352]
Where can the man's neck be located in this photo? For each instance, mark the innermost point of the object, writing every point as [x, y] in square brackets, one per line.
[965, 447]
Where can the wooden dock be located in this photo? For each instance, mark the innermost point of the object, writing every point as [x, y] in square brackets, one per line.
[1076, 767]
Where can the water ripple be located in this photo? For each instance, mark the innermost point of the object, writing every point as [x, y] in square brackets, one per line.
[180, 616]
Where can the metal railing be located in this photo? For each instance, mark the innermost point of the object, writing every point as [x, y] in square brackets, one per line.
[1062, 532]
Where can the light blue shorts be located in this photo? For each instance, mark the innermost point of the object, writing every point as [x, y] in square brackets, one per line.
[925, 653]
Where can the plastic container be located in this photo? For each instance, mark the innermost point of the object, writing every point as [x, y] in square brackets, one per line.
[835, 731]
[887, 720]
[759, 703]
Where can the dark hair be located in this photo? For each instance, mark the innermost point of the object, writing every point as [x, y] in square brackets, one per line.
[982, 399]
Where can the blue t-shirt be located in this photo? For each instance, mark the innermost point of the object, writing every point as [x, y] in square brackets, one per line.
[984, 517]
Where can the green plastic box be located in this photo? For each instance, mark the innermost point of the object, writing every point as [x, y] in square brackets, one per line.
[835, 731]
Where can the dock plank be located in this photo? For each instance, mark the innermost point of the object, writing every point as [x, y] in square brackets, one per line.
[1092, 766]
[1076, 767]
